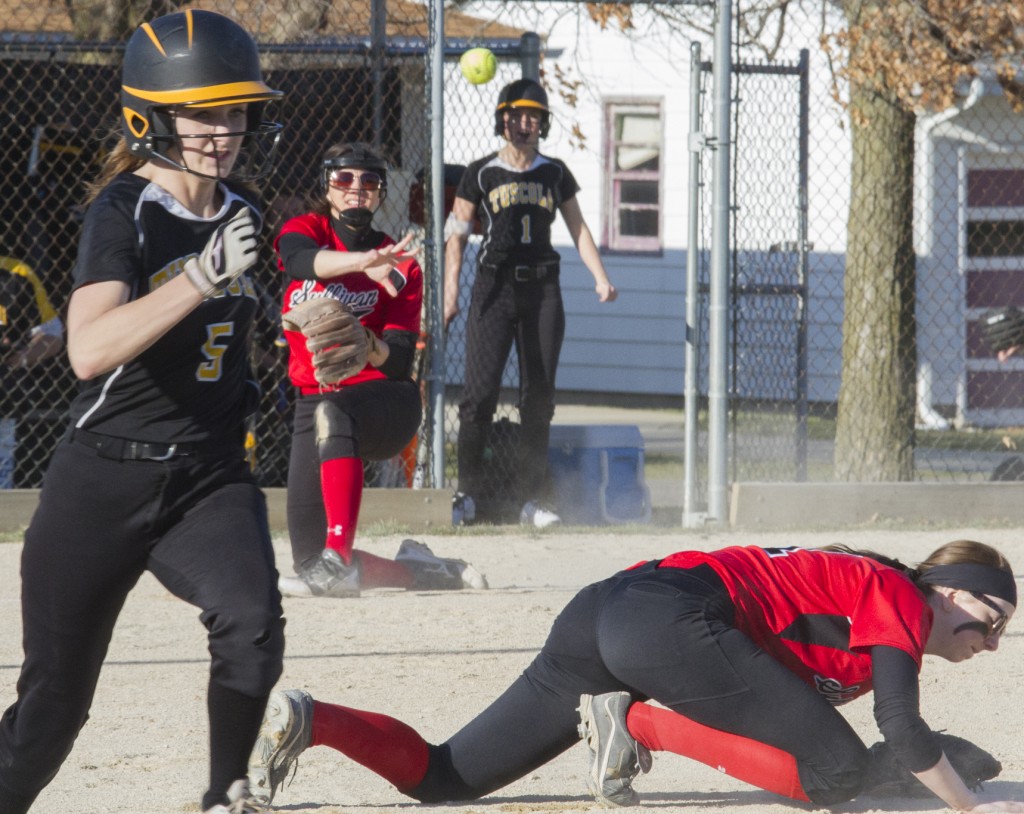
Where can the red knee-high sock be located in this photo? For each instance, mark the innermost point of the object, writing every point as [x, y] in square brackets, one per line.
[378, 572]
[341, 483]
[382, 744]
[748, 760]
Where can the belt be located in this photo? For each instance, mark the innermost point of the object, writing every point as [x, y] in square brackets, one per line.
[525, 273]
[123, 449]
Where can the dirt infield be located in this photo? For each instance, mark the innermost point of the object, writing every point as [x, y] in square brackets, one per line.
[435, 659]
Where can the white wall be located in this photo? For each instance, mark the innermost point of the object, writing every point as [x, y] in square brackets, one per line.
[635, 345]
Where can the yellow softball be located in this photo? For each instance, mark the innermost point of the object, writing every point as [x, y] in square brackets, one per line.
[478, 65]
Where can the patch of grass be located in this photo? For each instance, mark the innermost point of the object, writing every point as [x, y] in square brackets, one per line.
[1007, 439]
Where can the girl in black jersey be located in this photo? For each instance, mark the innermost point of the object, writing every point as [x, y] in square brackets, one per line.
[516, 194]
[151, 475]
[748, 652]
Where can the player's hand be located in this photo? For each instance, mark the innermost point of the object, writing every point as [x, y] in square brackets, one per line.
[606, 292]
[381, 262]
[377, 350]
[228, 253]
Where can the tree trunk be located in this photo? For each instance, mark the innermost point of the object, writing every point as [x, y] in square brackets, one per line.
[875, 430]
[113, 19]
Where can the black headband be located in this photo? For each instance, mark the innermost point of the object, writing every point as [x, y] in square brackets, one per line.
[969, 576]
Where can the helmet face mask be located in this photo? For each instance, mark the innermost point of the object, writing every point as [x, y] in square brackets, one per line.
[194, 59]
[523, 93]
[354, 156]
[252, 159]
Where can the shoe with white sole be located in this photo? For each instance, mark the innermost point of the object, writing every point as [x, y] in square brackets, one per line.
[433, 573]
[240, 801]
[615, 756]
[463, 510]
[328, 575]
[286, 732]
[535, 514]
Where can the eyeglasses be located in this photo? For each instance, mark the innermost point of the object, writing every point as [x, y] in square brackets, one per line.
[344, 179]
[999, 625]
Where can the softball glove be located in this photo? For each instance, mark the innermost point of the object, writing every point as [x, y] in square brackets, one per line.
[887, 777]
[334, 336]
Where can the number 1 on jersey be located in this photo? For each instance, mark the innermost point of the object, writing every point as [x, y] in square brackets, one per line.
[526, 229]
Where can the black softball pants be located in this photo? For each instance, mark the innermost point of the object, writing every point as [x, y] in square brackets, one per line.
[530, 315]
[377, 420]
[200, 527]
[665, 634]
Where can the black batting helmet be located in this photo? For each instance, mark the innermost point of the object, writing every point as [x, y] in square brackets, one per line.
[526, 93]
[357, 156]
[194, 58]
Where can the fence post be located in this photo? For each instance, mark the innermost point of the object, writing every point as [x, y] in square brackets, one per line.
[529, 55]
[433, 243]
[691, 396]
[718, 311]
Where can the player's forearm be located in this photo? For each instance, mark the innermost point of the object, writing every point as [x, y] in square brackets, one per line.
[329, 264]
[946, 784]
[41, 347]
[591, 256]
[454, 249]
[453, 254]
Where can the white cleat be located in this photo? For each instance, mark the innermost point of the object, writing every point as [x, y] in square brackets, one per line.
[286, 732]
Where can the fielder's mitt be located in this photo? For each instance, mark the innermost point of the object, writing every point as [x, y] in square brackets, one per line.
[334, 336]
[1003, 328]
[887, 777]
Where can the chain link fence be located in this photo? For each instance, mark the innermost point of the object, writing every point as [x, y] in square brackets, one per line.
[366, 80]
[350, 71]
[791, 168]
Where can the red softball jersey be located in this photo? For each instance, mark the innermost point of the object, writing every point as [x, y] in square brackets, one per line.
[376, 309]
[820, 612]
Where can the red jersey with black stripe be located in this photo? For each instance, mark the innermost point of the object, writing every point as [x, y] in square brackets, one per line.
[376, 309]
[819, 612]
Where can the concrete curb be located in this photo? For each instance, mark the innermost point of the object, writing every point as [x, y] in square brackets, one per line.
[766, 506]
[754, 506]
[419, 509]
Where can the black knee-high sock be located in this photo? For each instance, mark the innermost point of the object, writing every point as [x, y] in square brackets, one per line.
[234, 724]
[472, 443]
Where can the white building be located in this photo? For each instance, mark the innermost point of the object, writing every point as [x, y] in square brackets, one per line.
[639, 88]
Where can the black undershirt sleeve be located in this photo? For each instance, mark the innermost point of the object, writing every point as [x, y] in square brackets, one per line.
[897, 709]
[402, 345]
[297, 253]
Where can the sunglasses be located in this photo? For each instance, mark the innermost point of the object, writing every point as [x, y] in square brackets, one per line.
[999, 625]
[344, 179]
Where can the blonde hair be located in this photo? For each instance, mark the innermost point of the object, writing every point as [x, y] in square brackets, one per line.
[118, 160]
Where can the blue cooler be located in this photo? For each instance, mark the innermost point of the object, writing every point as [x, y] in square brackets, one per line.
[597, 474]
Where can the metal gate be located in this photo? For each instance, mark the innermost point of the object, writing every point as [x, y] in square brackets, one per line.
[768, 285]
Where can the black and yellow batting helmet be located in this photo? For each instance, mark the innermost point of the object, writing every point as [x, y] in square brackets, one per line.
[194, 58]
[523, 93]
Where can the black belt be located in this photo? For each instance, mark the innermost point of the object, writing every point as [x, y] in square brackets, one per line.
[123, 449]
[525, 273]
